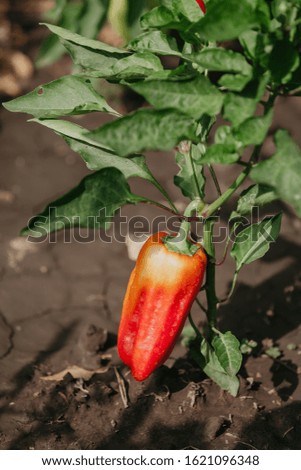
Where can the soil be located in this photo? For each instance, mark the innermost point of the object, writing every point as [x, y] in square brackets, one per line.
[62, 383]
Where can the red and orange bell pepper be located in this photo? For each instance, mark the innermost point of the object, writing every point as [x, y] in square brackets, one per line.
[161, 290]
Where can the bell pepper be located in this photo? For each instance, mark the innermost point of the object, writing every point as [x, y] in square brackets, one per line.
[160, 293]
[202, 5]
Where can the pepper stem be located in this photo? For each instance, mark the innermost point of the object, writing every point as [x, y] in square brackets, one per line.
[180, 243]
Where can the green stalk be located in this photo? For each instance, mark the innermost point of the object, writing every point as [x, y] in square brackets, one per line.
[164, 194]
[145, 200]
[180, 243]
[212, 208]
[212, 299]
[194, 172]
[195, 328]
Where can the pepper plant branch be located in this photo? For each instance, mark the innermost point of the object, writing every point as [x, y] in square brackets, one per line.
[165, 194]
[195, 328]
[201, 305]
[212, 208]
[144, 200]
[215, 180]
[194, 172]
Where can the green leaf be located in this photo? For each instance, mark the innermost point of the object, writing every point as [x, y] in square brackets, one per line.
[254, 241]
[188, 8]
[69, 129]
[226, 20]
[194, 97]
[91, 204]
[160, 17]
[146, 129]
[273, 352]
[97, 159]
[239, 107]
[282, 171]
[221, 60]
[220, 154]
[234, 82]
[155, 42]
[254, 196]
[216, 372]
[100, 63]
[179, 73]
[252, 42]
[68, 15]
[68, 95]
[85, 42]
[134, 67]
[94, 155]
[282, 70]
[247, 346]
[190, 178]
[139, 65]
[93, 17]
[253, 131]
[227, 350]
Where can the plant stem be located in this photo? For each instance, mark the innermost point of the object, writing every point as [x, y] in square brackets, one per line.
[194, 173]
[180, 243]
[215, 180]
[212, 208]
[165, 194]
[242, 176]
[195, 328]
[201, 306]
[210, 277]
[145, 200]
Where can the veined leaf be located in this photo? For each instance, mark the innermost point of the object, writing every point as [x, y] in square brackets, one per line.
[227, 350]
[194, 97]
[90, 60]
[135, 66]
[155, 42]
[189, 9]
[235, 82]
[254, 196]
[226, 20]
[254, 130]
[94, 155]
[240, 107]
[221, 60]
[254, 241]
[160, 17]
[68, 95]
[146, 129]
[220, 154]
[91, 204]
[212, 367]
[85, 42]
[282, 171]
[190, 178]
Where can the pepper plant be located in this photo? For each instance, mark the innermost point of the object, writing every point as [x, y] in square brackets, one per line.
[233, 60]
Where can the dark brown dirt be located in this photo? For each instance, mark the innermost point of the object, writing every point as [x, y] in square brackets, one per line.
[60, 305]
